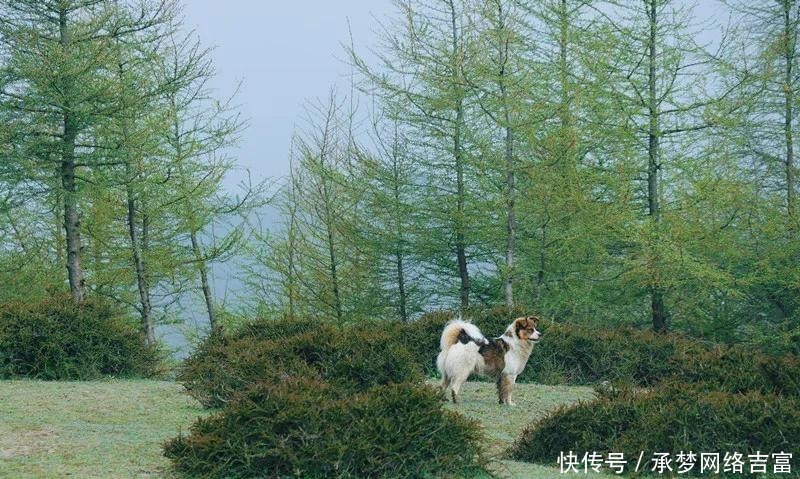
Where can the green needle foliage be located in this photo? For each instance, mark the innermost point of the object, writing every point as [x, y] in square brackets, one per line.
[307, 428]
[593, 161]
[598, 162]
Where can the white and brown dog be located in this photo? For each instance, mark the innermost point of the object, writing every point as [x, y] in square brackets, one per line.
[466, 351]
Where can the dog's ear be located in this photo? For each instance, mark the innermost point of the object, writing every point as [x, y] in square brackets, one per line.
[519, 325]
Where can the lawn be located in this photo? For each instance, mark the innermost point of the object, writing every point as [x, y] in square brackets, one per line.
[503, 424]
[108, 429]
[114, 428]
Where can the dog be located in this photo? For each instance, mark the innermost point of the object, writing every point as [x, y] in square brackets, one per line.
[464, 351]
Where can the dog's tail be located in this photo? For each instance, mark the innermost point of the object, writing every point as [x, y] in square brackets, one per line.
[460, 330]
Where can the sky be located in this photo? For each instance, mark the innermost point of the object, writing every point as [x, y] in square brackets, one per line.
[283, 53]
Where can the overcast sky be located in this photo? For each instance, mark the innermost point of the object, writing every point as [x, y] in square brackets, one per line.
[285, 52]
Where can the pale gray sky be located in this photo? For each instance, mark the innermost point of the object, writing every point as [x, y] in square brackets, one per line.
[284, 52]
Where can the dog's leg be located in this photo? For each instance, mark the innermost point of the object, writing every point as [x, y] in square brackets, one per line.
[505, 383]
[455, 387]
[499, 383]
[512, 380]
[445, 385]
[456, 383]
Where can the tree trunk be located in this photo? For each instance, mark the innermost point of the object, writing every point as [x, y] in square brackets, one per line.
[461, 252]
[58, 225]
[508, 279]
[72, 223]
[461, 249]
[331, 243]
[197, 249]
[399, 264]
[291, 252]
[510, 216]
[542, 259]
[291, 268]
[658, 308]
[145, 307]
[789, 54]
[204, 283]
[401, 283]
[337, 302]
[568, 155]
[290, 278]
[399, 259]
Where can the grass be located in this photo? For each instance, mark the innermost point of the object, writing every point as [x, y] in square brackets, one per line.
[114, 428]
[503, 424]
[108, 429]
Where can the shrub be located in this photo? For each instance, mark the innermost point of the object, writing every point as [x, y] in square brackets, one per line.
[309, 428]
[276, 329]
[222, 366]
[569, 354]
[572, 354]
[736, 369]
[56, 339]
[671, 418]
[352, 358]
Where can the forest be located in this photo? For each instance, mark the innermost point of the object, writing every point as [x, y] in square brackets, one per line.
[598, 162]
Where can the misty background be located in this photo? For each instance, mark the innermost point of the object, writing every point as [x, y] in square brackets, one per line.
[277, 56]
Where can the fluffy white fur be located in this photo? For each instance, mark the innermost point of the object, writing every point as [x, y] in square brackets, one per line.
[457, 360]
[454, 327]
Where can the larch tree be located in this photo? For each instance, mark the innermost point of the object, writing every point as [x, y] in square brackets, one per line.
[767, 65]
[199, 132]
[58, 86]
[133, 140]
[391, 225]
[421, 80]
[336, 276]
[662, 93]
[505, 88]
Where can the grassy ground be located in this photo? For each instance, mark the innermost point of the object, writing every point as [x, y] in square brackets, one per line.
[503, 424]
[114, 429]
[108, 429]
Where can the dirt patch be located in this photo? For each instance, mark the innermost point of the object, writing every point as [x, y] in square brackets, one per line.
[27, 443]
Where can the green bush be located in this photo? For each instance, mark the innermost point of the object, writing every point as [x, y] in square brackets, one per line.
[572, 354]
[569, 353]
[575, 355]
[353, 358]
[737, 369]
[671, 418]
[222, 366]
[56, 339]
[309, 428]
[277, 329]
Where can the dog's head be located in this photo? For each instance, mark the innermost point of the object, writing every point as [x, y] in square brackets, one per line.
[525, 329]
